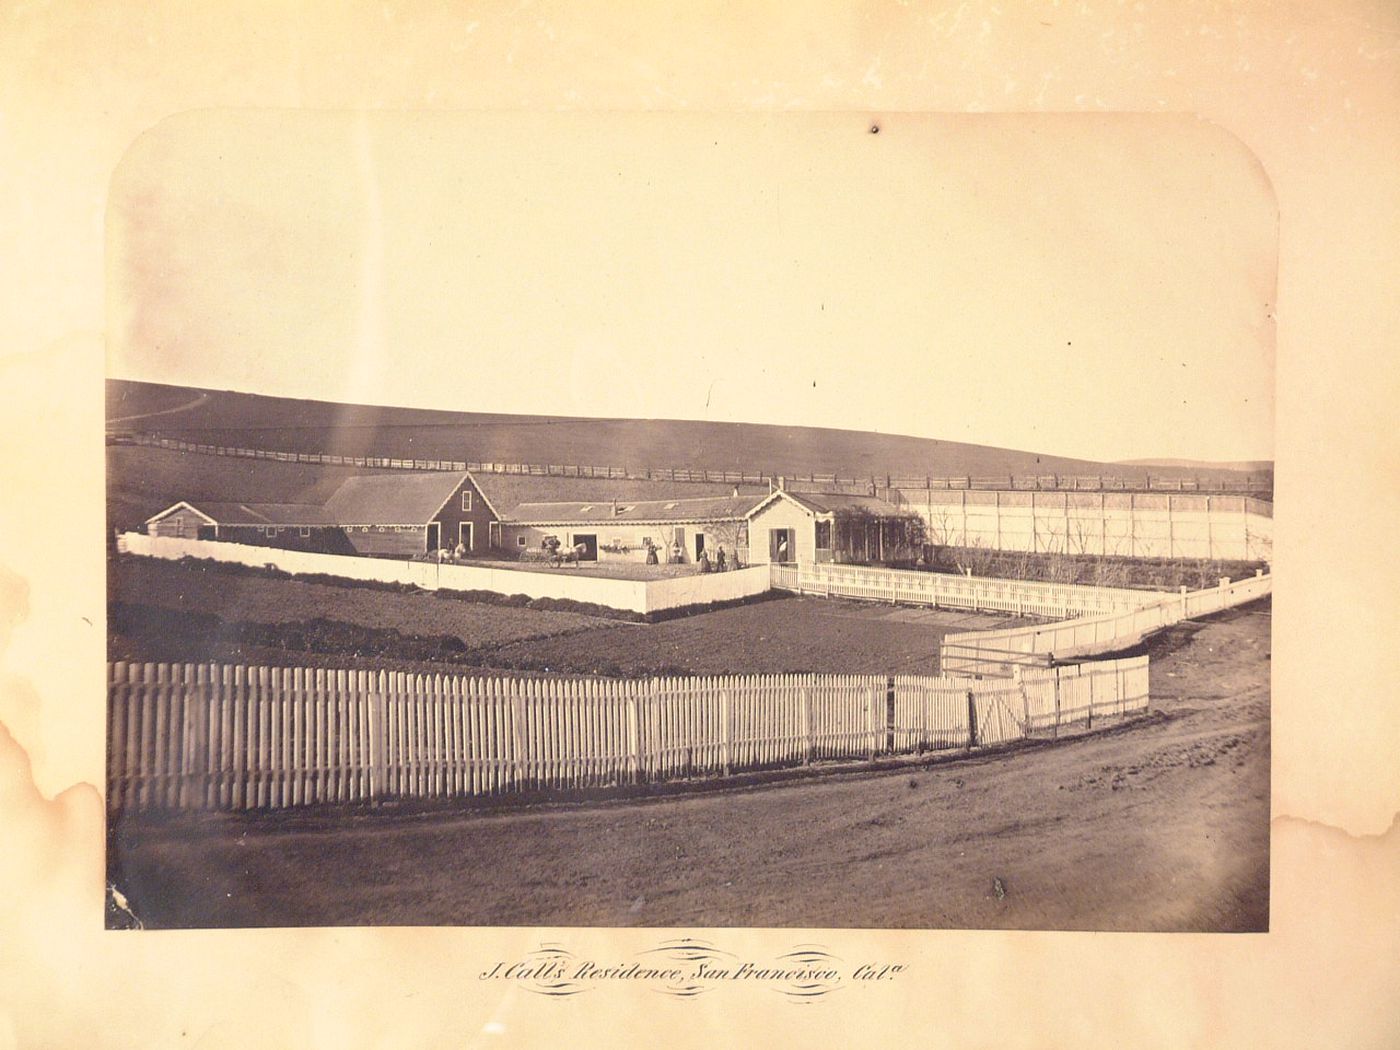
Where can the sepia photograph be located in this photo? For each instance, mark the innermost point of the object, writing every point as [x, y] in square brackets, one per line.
[689, 520]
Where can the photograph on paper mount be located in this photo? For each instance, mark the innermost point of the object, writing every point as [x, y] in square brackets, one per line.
[679, 520]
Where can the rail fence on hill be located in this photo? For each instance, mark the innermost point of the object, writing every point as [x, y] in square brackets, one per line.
[1029, 482]
[212, 736]
[1004, 651]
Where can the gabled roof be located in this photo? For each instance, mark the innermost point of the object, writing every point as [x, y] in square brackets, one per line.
[574, 512]
[823, 504]
[218, 512]
[506, 492]
[393, 499]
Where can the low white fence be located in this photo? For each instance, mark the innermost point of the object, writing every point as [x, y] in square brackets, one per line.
[642, 596]
[211, 736]
[1003, 651]
[977, 593]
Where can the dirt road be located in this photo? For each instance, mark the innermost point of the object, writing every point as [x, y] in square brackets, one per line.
[1162, 825]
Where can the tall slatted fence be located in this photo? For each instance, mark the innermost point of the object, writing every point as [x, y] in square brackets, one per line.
[219, 737]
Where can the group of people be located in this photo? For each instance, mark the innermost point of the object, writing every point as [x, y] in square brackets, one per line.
[703, 563]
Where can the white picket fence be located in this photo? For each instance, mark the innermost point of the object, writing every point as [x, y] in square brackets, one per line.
[945, 590]
[211, 736]
[1001, 651]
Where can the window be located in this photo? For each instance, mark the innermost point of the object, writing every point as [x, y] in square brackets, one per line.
[304, 532]
[520, 541]
[466, 499]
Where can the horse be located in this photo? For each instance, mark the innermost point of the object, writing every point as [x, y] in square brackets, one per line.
[573, 555]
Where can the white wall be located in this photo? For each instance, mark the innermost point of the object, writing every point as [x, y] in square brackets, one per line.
[635, 595]
[1141, 525]
[700, 589]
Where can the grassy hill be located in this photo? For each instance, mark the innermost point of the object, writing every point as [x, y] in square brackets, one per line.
[289, 424]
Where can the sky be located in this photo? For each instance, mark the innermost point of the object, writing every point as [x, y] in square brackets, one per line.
[1090, 285]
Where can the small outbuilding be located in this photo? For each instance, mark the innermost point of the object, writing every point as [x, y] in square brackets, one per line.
[803, 527]
[293, 526]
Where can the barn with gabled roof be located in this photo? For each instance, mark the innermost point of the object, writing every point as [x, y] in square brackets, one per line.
[379, 515]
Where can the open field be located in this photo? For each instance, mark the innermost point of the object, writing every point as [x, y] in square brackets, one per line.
[784, 634]
[1161, 824]
[256, 421]
[246, 596]
[169, 611]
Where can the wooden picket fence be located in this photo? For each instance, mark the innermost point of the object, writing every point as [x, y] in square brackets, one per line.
[1002, 651]
[220, 737]
[949, 591]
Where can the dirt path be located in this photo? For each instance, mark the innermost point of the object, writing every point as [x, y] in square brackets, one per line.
[184, 407]
[1161, 825]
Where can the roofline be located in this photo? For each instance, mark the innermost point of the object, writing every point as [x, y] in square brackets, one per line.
[785, 494]
[466, 476]
[484, 498]
[177, 506]
[622, 521]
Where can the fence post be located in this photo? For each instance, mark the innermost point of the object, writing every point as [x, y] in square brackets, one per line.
[1183, 601]
[194, 788]
[378, 736]
[870, 718]
[971, 720]
[805, 699]
[1018, 673]
[726, 731]
[634, 750]
[889, 715]
[1055, 732]
[517, 734]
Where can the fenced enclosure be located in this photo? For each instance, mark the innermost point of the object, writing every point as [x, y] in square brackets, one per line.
[1003, 651]
[641, 596]
[222, 737]
[945, 590]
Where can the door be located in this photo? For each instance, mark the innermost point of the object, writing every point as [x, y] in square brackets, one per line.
[782, 546]
[434, 537]
[699, 544]
[589, 542]
[464, 535]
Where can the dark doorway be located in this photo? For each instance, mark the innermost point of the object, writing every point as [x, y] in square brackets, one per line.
[782, 546]
[434, 537]
[589, 542]
[699, 544]
[464, 535]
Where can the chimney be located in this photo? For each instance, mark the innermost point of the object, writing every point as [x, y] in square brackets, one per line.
[614, 508]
